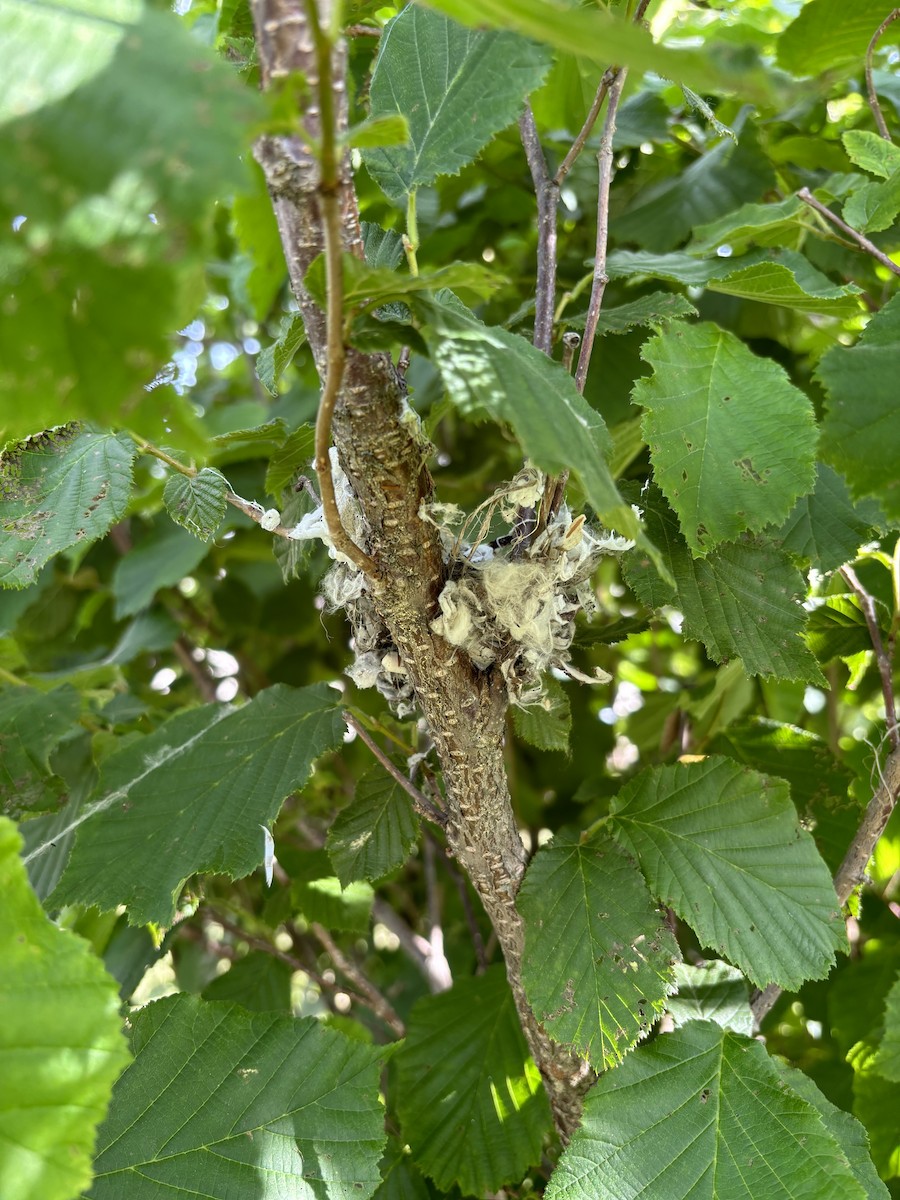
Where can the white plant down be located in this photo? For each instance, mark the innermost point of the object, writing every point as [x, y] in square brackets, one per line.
[506, 603]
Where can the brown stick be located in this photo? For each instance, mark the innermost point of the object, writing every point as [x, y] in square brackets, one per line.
[547, 193]
[421, 803]
[605, 161]
[874, 104]
[861, 240]
[883, 662]
[380, 1005]
[585, 132]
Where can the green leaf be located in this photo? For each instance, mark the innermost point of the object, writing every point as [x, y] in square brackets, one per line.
[373, 836]
[887, 1060]
[722, 845]
[663, 215]
[829, 32]
[790, 282]
[456, 87]
[712, 991]
[653, 309]
[258, 982]
[751, 225]
[274, 360]
[218, 1099]
[701, 1113]
[740, 601]
[874, 206]
[837, 629]
[196, 790]
[61, 1044]
[59, 489]
[860, 430]
[369, 287]
[825, 528]
[731, 439]
[162, 558]
[872, 152]
[548, 723]
[383, 247]
[197, 502]
[470, 1101]
[317, 893]
[260, 441]
[849, 1133]
[389, 130]
[292, 459]
[32, 724]
[598, 959]
[492, 369]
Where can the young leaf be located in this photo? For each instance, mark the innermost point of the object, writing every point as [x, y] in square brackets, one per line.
[218, 1098]
[197, 791]
[860, 431]
[731, 439]
[722, 845]
[470, 1101]
[547, 723]
[32, 724]
[711, 991]
[740, 601]
[274, 360]
[702, 1112]
[456, 87]
[59, 489]
[874, 206]
[598, 959]
[197, 502]
[871, 152]
[61, 1044]
[374, 835]
[489, 368]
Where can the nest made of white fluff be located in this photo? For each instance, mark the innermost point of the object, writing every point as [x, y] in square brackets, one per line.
[510, 604]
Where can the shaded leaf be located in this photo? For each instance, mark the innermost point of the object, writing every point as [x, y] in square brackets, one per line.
[653, 309]
[374, 835]
[471, 1102]
[598, 959]
[751, 225]
[704, 1113]
[317, 893]
[272, 361]
[712, 991]
[860, 430]
[825, 528]
[32, 724]
[258, 982]
[59, 489]
[290, 460]
[257, 442]
[722, 845]
[196, 790]
[456, 87]
[160, 559]
[372, 286]
[731, 439]
[218, 1098]
[548, 723]
[197, 502]
[61, 1044]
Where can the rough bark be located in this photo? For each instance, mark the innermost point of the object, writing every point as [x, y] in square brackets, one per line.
[465, 708]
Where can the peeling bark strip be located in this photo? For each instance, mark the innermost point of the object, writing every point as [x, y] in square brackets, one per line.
[465, 708]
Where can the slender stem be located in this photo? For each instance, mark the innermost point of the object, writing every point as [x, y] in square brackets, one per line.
[411, 237]
[605, 164]
[882, 659]
[547, 193]
[870, 248]
[874, 105]
[585, 132]
[421, 803]
[336, 360]
[379, 1004]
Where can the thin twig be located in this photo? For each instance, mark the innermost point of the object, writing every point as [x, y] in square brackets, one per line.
[870, 83]
[379, 1004]
[547, 193]
[421, 803]
[605, 162]
[585, 132]
[867, 604]
[870, 248]
[330, 195]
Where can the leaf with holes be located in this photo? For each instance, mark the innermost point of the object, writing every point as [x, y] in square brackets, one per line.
[722, 845]
[197, 501]
[731, 439]
[59, 489]
[598, 960]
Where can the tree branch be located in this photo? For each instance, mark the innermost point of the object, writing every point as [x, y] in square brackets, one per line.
[885, 666]
[547, 192]
[380, 1006]
[605, 170]
[861, 240]
[874, 105]
[585, 132]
